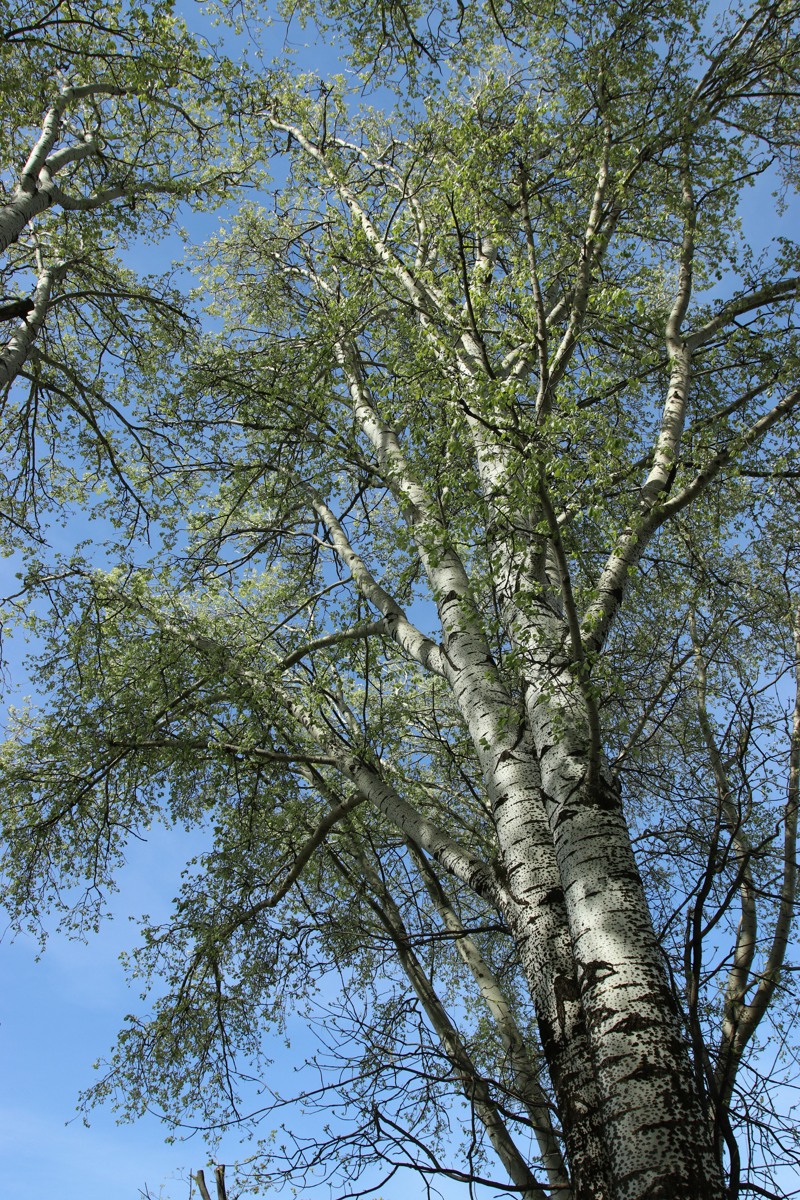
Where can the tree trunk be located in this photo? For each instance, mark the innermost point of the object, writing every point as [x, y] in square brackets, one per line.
[536, 911]
[656, 1132]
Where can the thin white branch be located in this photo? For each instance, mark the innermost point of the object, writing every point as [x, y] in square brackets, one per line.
[419, 647]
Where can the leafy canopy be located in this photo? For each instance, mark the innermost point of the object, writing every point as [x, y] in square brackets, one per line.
[493, 365]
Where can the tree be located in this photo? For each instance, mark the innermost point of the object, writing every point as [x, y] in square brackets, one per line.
[110, 122]
[472, 634]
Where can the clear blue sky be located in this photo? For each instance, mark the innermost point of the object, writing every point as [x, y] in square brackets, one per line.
[60, 1014]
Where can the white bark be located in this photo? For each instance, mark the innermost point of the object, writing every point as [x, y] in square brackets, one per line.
[511, 773]
[18, 347]
[36, 190]
[639, 1059]
[536, 913]
[403, 631]
[649, 1103]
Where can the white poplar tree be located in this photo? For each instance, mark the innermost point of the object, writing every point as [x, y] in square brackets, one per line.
[472, 636]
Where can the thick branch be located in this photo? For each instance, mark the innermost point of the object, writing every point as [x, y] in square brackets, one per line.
[18, 348]
[613, 581]
[356, 633]
[472, 1084]
[588, 260]
[391, 457]
[769, 294]
[523, 1070]
[422, 649]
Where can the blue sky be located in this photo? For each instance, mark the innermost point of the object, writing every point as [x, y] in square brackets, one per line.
[61, 1013]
